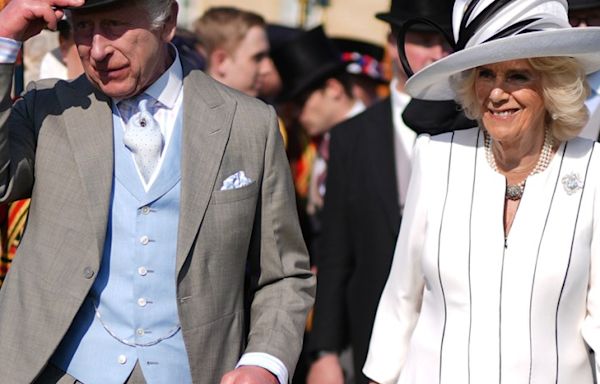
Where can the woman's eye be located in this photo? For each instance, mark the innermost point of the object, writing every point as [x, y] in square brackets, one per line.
[519, 77]
[485, 74]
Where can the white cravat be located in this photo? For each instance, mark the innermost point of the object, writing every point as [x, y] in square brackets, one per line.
[143, 137]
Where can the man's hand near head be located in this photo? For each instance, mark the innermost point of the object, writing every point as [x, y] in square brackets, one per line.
[22, 19]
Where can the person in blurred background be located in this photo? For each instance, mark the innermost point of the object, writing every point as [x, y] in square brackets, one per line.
[364, 65]
[271, 84]
[315, 81]
[187, 45]
[369, 170]
[235, 45]
[586, 13]
[320, 91]
[62, 62]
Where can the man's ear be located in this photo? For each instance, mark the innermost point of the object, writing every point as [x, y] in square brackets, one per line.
[170, 24]
[334, 88]
[218, 63]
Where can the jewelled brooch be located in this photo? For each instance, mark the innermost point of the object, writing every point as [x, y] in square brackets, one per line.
[572, 183]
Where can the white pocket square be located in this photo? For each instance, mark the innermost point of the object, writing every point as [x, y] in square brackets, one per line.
[235, 181]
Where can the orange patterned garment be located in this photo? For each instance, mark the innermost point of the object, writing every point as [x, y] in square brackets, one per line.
[13, 217]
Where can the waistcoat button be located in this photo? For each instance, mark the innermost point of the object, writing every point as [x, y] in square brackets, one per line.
[88, 272]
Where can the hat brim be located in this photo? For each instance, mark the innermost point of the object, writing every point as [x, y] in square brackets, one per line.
[95, 4]
[398, 22]
[433, 81]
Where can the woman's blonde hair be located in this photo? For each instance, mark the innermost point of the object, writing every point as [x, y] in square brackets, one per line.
[565, 90]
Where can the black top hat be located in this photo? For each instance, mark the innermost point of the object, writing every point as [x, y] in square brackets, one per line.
[361, 58]
[439, 11]
[95, 3]
[280, 34]
[305, 61]
[576, 5]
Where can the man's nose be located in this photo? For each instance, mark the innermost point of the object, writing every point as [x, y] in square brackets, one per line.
[101, 47]
[439, 51]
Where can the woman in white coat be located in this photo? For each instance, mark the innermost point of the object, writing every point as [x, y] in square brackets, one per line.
[495, 276]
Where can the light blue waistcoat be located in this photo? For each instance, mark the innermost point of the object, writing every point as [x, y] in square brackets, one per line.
[135, 290]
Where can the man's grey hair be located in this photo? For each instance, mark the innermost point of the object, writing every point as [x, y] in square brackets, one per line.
[158, 10]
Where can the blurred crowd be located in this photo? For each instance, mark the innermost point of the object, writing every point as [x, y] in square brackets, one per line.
[349, 130]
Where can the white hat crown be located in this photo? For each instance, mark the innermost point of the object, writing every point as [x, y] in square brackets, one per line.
[478, 21]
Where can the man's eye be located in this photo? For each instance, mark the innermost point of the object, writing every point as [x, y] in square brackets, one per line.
[81, 25]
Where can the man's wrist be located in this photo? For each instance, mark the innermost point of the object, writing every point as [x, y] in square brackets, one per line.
[318, 354]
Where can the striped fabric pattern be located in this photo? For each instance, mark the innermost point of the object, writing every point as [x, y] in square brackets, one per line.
[12, 224]
[9, 49]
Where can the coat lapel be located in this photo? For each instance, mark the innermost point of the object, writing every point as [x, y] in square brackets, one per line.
[207, 120]
[88, 121]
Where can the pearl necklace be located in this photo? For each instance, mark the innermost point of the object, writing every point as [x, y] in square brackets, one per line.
[515, 191]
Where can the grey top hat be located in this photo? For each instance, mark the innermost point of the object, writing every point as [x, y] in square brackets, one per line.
[89, 4]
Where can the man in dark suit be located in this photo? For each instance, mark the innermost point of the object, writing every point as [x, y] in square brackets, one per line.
[155, 193]
[586, 13]
[369, 170]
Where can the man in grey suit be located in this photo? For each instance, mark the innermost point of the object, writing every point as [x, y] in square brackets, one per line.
[161, 204]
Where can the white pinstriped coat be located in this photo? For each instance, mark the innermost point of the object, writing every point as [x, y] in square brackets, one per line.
[465, 305]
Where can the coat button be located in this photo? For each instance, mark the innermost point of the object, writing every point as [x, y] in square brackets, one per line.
[88, 272]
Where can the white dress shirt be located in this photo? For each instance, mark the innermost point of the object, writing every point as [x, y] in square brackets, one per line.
[591, 131]
[404, 141]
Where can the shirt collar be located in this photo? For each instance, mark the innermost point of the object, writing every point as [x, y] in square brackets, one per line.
[594, 81]
[357, 108]
[399, 99]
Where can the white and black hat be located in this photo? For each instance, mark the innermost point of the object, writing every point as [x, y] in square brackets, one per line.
[492, 31]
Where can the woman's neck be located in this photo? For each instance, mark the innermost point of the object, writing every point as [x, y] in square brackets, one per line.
[517, 159]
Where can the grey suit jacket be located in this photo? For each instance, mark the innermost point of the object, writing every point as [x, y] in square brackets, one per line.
[56, 145]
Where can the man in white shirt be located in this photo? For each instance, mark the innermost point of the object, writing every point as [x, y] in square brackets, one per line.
[586, 13]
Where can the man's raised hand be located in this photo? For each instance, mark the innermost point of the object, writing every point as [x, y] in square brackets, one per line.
[22, 19]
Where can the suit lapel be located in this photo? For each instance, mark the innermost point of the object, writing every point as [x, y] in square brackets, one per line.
[88, 121]
[381, 142]
[207, 120]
